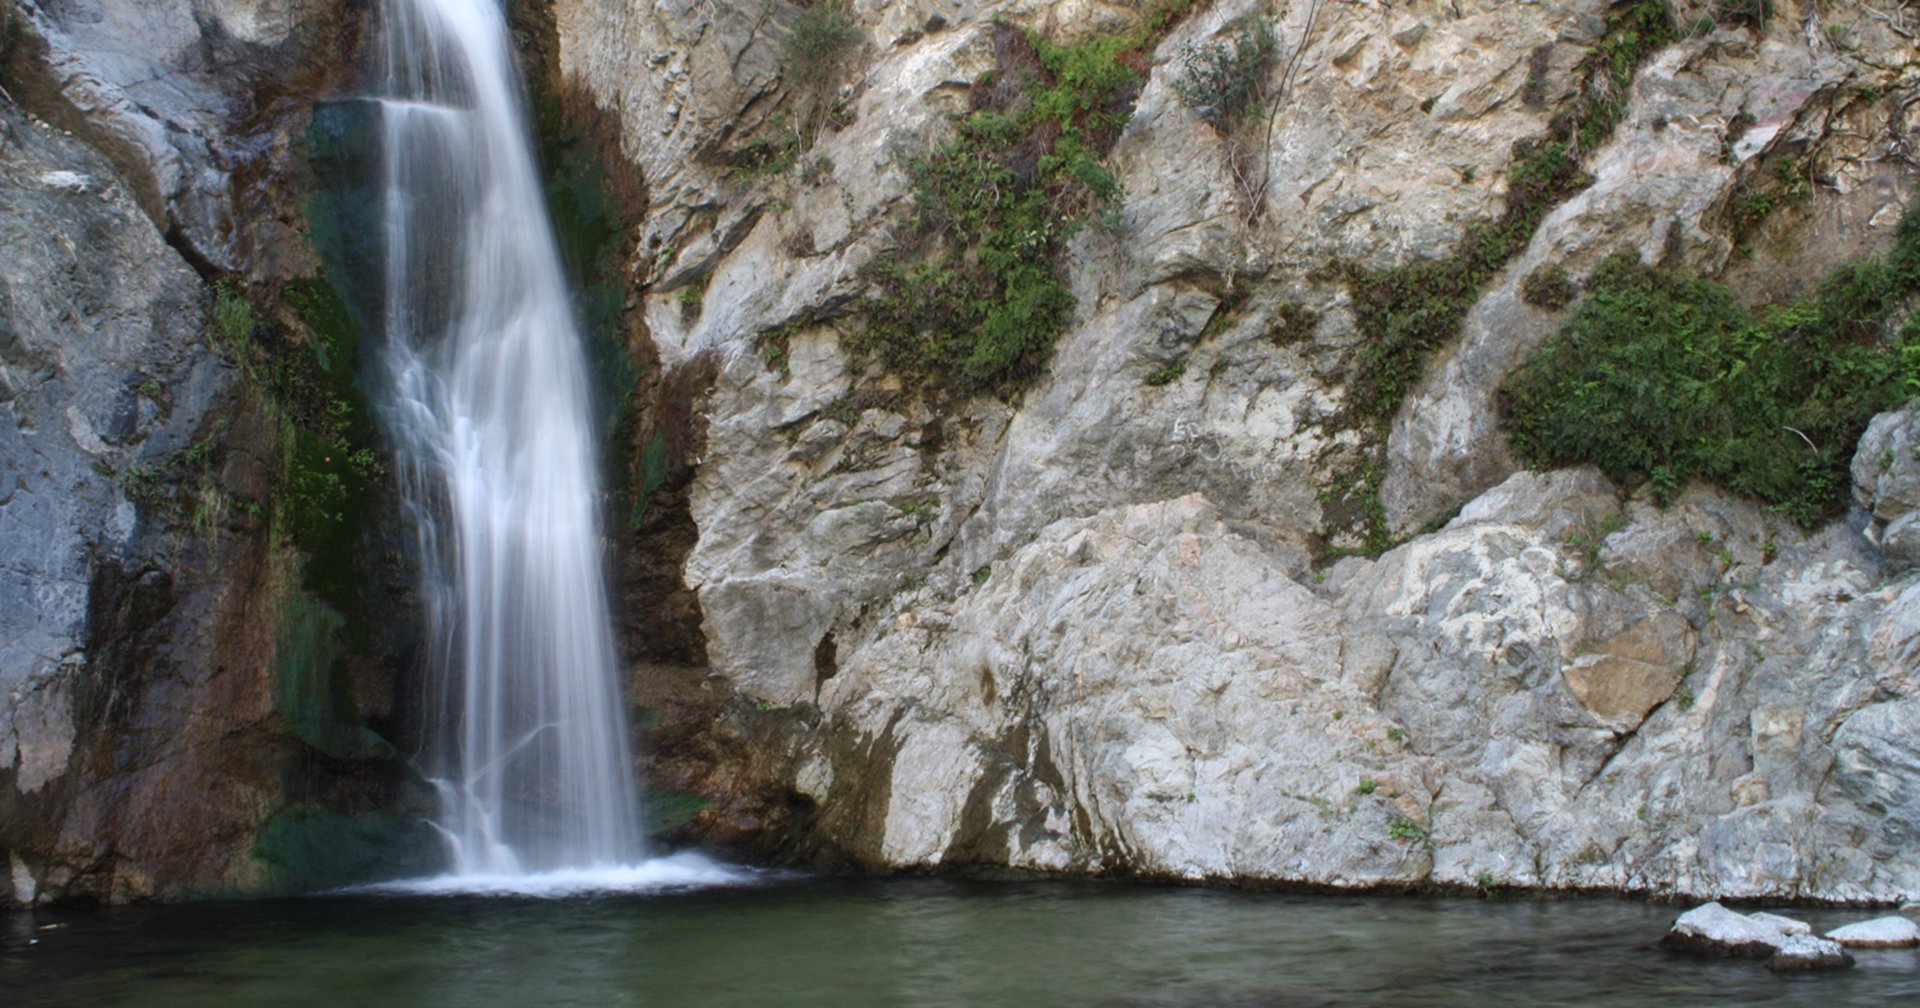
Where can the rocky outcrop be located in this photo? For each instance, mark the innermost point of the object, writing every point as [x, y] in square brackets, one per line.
[178, 713]
[1103, 626]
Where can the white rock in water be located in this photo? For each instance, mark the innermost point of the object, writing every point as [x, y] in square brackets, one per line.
[1787, 925]
[1881, 932]
[1805, 952]
[1713, 929]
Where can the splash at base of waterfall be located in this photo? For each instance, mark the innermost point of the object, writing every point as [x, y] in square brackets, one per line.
[676, 873]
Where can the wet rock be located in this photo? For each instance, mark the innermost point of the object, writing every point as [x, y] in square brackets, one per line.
[1805, 953]
[1881, 932]
[1712, 929]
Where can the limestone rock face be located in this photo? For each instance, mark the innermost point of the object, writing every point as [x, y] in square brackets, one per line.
[1104, 626]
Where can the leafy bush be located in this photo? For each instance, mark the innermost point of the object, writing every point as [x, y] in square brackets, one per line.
[1222, 82]
[978, 303]
[825, 35]
[1663, 376]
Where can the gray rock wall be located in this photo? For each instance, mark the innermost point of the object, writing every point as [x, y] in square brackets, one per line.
[1097, 628]
[156, 736]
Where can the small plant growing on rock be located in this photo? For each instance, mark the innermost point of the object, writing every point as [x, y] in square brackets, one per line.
[1221, 81]
[1549, 287]
[1167, 374]
[1752, 13]
[1406, 830]
[825, 36]
[1365, 787]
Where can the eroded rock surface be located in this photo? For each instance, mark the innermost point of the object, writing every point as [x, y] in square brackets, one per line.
[1103, 627]
[167, 704]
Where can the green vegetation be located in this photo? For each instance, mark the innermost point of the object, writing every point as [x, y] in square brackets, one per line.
[976, 303]
[1664, 377]
[1167, 374]
[825, 36]
[1365, 787]
[668, 810]
[329, 470]
[1410, 311]
[305, 847]
[1223, 82]
[1406, 830]
[1549, 287]
[1752, 13]
[1787, 183]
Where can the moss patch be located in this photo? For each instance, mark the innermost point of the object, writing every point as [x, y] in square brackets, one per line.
[1663, 376]
[304, 848]
[311, 684]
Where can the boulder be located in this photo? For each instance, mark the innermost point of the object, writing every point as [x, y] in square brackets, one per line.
[1801, 953]
[1712, 929]
[1787, 925]
[1880, 932]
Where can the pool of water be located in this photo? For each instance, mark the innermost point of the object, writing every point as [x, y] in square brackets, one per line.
[801, 942]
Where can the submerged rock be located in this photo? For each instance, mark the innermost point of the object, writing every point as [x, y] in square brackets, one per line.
[1880, 932]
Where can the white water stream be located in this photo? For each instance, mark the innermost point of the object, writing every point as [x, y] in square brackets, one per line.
[487, 399]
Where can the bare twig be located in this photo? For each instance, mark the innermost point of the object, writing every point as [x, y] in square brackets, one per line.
[1257, 194]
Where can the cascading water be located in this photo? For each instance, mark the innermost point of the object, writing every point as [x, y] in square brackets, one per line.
[487, 400]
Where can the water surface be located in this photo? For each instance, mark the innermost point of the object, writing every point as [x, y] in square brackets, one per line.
[908, 943]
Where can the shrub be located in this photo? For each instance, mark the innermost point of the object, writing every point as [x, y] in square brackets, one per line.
[1222, 82]
[1663, 376]
[977, 303]
[824, 37]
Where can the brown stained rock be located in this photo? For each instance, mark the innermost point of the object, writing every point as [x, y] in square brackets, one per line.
[1635, 670]
[1619, 689]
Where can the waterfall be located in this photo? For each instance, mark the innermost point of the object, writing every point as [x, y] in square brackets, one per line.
[487, 399]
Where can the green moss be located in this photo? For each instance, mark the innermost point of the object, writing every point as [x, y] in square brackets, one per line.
[669, 810]
[311, 687]
[586, 217]
[330, 470]
[978, 304]
[653, 472]
[305, 848]
[1662, 376]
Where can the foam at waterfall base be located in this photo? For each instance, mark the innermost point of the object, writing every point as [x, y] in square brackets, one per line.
[674, 873]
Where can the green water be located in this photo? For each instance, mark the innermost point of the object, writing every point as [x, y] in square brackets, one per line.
[920, 942]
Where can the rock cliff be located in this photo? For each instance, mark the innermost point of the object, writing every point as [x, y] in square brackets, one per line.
[1181, 607]
[181, 706]
[1245, 581]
